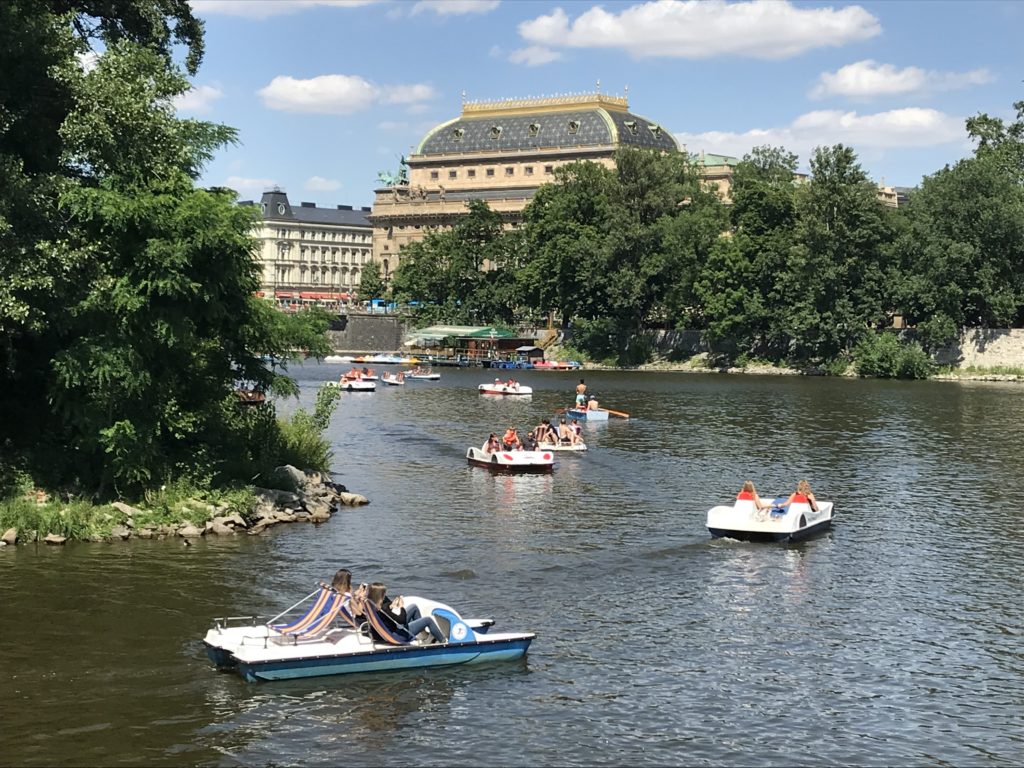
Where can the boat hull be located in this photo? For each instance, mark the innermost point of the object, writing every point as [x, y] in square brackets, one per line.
[744, 523]
[504, 389]
[512, 461]
[387, 659]
[354, 386]
[585, 415]
[577, 448]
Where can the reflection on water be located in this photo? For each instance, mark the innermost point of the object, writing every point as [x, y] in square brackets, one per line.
[894, 639]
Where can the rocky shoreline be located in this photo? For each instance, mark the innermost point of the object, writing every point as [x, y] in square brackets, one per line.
[315, 499]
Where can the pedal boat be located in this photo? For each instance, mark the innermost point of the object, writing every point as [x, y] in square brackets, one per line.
[354, 385]
[424, 376]
[259, 653]
[392, 380]
[584, 414]
[504, 389]
[512, 461]
[569, 448]
[744, 522]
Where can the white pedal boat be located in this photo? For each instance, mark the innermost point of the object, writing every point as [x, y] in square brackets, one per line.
[339, 359]
[354, 385]
[512, 461]
[504, 389]
[392, 380]
[578, 447]
[743, 521]
[424, 376]
[259, 653]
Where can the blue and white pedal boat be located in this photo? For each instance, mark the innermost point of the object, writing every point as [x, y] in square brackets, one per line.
[745, 522]
[260, 653]
[584, 414]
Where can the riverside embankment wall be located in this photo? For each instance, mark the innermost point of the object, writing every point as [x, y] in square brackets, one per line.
[367, 333]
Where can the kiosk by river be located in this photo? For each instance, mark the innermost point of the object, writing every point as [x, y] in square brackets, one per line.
[896, 639]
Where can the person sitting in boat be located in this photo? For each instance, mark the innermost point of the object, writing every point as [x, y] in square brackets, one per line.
[802, 495]
[550, 434]
[749, 493]
[512, 383]
[565, 434]
[492, 445]
[404, 622]
[592, 404]
[577, 429]
[510, 440]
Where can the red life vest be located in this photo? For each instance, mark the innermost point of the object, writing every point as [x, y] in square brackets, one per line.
[745, 496]
[799, 498]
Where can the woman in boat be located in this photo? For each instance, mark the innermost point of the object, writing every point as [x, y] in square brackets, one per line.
[342, 581]
[492, 444]
[749, 493]
[802, 495]
[404, 622]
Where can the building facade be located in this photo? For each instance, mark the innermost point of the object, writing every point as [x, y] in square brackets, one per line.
[501, 152]
[311, 255]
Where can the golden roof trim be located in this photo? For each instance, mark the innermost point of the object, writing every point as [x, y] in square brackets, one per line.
[546, 103]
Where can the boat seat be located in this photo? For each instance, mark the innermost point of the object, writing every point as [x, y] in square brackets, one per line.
[318, 618]
[454, 628]
[382, 630]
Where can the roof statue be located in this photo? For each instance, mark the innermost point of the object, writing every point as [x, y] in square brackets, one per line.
[399, 179]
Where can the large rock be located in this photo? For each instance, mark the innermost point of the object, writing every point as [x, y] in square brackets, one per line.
[352, 499]
[120, 506]
[120, 532]
[235, 520]
[274, 496]
[56, 539]
[318, 509]
[10, 536]
[221, 530]
[190, 531]
[297, 477]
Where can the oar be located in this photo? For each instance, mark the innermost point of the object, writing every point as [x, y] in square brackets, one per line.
[617, 413]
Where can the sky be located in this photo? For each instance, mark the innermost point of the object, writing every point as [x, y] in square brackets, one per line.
[325, 94]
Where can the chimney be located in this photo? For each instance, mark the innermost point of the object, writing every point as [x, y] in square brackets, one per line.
[309, 205]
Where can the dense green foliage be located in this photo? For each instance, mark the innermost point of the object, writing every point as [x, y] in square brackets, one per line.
[127, 309]
[801, 271]
[371, 283]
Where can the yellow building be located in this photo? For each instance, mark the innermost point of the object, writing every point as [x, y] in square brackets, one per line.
[501, 152]
[310, 255]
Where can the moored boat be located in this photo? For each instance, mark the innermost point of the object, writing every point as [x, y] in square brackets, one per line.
[264, 652]
[504, 389]
[393, 379]
[742, 520]
[512, 461]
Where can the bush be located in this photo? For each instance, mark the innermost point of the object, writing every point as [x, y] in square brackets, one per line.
[884, 356]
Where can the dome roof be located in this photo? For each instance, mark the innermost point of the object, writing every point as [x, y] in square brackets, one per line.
[559, 123]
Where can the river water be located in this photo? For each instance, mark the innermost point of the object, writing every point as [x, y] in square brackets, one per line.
[896, 639]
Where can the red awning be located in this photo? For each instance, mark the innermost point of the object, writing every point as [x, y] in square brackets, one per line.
[283, 295]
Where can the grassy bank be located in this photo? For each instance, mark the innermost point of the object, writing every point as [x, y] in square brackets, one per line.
[35, 514]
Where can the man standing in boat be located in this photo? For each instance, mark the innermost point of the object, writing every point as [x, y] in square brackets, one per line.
[581, 395]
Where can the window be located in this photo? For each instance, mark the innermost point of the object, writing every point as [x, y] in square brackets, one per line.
[509, 171]
[631, 126]
[471, 173]
[453, 174]
[457, 134]
[655, 129]
[433, 175]
[534, 129]
[528, 170]
[549, 169]
[495, 132]
[490, 172]
[574, 127]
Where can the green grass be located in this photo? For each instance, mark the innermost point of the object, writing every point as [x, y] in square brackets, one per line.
[172, 505]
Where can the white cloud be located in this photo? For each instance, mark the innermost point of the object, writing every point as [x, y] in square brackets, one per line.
[247, 187]
[263, 9]
[337, 94]
[455, 7]
[320, 184]
[198, 99]
[865, 79]
[700, 29]
[534, 56]
[910, 127]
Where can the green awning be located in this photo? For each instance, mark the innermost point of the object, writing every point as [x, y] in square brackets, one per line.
[492, 332]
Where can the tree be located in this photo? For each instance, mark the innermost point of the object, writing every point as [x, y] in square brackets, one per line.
[371, 284]
[127, 309]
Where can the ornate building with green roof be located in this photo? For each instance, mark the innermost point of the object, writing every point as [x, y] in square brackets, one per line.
[501, 152]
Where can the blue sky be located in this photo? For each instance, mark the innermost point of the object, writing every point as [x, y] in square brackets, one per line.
[326, 93]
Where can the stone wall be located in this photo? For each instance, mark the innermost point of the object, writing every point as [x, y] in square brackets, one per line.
[985, 348]
[367, 333]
